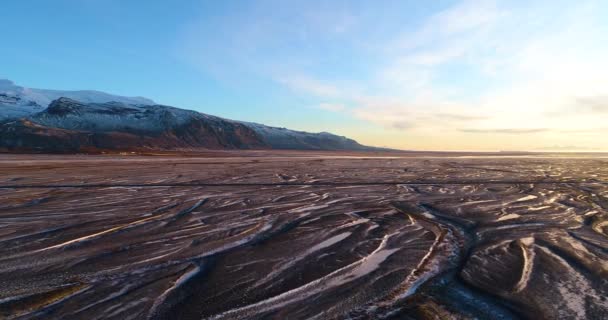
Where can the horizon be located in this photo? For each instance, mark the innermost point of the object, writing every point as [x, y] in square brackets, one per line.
[447, 76]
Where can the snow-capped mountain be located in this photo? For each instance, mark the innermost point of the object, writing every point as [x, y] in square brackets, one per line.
[282, 138]
[91, 121]
[71, 126]
[17, 101]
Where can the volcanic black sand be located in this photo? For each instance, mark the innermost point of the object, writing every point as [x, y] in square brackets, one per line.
[292, 235]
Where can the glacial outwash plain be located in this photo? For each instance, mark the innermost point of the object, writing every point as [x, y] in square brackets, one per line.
[304, 235]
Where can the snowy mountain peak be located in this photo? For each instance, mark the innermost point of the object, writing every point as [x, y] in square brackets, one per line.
[76, 121]
[6, 84]
[17, 101]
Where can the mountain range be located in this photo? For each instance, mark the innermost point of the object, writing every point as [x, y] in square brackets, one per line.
[41, 120]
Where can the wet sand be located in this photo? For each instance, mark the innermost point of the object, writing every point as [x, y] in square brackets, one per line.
[296, 235]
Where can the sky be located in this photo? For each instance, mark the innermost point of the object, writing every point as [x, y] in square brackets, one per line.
[419, 75]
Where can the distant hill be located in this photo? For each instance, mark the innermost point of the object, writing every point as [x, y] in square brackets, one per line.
[91, 121]
[16, 101]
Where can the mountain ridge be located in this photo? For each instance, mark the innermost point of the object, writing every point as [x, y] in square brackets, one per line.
[101, 121]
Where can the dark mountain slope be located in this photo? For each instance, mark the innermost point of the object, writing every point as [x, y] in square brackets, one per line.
[68, 125]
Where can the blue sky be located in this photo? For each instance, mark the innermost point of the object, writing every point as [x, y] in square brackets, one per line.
[450, 75]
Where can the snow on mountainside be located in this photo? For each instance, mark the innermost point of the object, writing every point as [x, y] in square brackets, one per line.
[17, 101]
[77, 121]
[282, 138]
[70, 114]
[68, 126]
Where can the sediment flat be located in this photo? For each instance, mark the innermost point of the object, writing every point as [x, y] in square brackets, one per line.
[302, 235]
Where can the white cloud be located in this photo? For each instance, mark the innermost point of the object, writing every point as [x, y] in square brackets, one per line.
[478, 68]
[535, 72]
[310, 85]
[334, 107]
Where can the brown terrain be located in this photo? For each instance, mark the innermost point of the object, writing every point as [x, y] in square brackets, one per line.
[303, 235]
[68, 126]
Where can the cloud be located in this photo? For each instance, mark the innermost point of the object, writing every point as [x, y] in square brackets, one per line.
[505, 131]
[474, 68]
[523, 68]
[587, 131]
[466, 16]
[331, 107]
[459, 117]
[596, 105]
[402, 125]
[462, 19]
[310, 85]
[567, 148]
